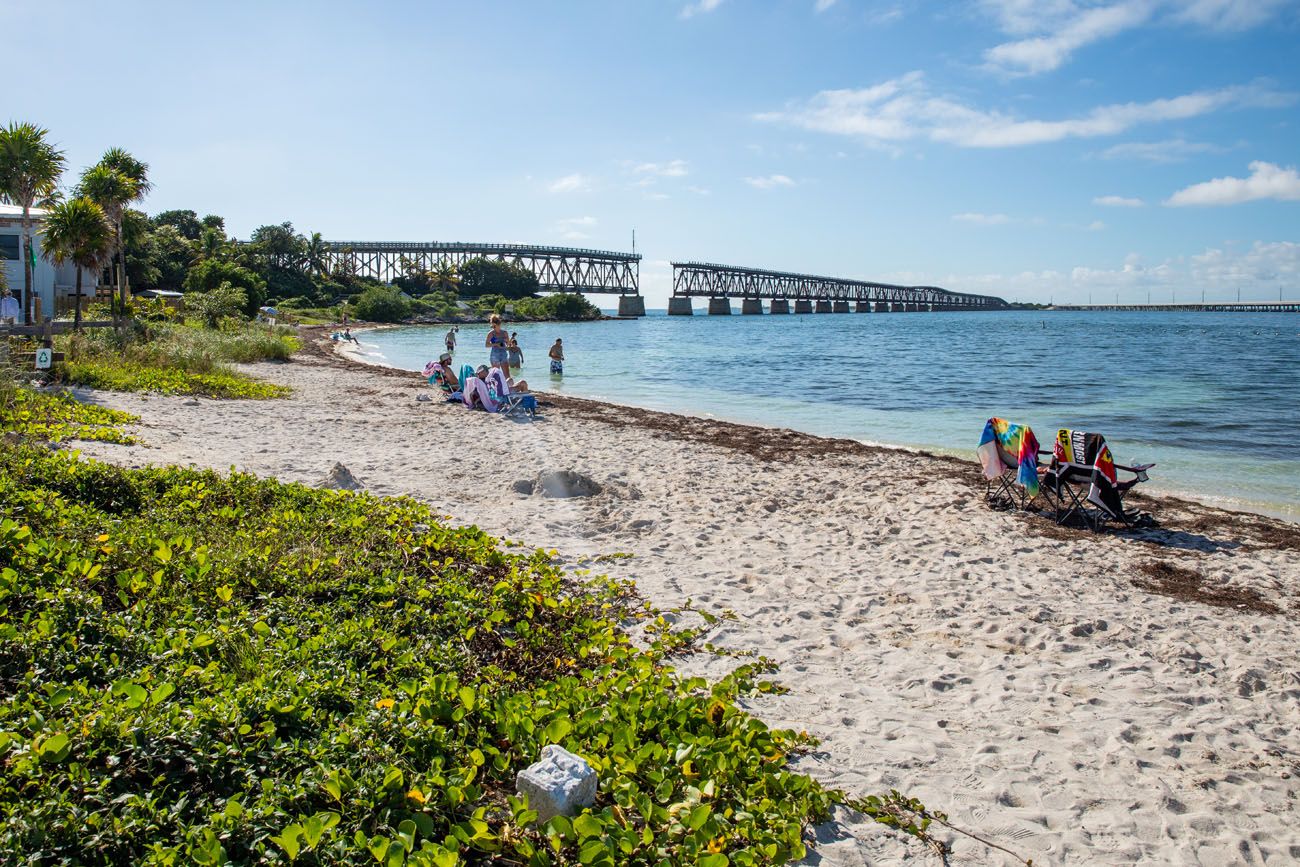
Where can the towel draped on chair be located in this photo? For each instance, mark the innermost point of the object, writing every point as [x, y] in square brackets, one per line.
[1018, 448]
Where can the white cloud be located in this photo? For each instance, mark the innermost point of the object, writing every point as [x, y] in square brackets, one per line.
[1118, 202]
[976, 219]
[1265, 264]
[1044, 53]
[670, 169]
[1266, 181]
[1096, 226]
[574, 183]
[823, 5]
[700, 191]
[1167, 151]
[572, 228]
[1256, 270]
[1051, 31]
[770, 181]
[1228, 14]
[702, 6]
[904, 108]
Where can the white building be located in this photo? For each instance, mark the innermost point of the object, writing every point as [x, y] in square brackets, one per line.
[48, 282]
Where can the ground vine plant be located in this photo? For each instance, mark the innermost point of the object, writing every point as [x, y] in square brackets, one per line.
[208, 669]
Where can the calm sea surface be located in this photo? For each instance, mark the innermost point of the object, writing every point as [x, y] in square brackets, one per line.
[1212, 398]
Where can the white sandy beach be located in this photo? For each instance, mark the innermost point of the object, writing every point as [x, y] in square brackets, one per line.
[1036, 684]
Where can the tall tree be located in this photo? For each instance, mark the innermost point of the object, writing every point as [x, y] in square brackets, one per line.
[445, 276]
[30, 168]
[112, 191]
[136, 175]
[78, 231]
[316, 256]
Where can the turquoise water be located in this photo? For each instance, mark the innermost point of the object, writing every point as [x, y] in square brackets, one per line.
[1212, 398]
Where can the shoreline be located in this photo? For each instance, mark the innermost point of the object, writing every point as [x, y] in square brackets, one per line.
[1077, 697]
[1182, 500]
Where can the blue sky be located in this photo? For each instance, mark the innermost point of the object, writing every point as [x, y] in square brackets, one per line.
[1056, 149]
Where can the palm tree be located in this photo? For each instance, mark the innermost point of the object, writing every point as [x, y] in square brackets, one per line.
[126, 164]
[78, 231]
[444, 276]
[30, 168]
[112, 191]
[316, 256]
[212, 244]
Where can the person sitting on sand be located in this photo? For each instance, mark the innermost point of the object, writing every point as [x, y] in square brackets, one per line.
[504, 385]
[557, 357]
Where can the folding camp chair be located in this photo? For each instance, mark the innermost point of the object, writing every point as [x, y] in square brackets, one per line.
[1009, 455]
[437, 376]
[1083, 484]
[509, 402]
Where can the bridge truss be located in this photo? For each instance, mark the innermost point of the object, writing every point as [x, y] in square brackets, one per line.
[703, 280]
[558, 269]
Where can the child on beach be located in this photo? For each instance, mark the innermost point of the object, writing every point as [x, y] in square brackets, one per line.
[516, 354]
[557, 357]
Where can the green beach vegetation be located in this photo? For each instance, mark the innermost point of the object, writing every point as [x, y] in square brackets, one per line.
[173, 357]
[210, 669]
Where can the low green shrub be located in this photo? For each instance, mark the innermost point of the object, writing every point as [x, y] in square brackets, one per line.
[173, 358]
[206, 669]
[132, 375]
[60, 417]
[381, 304]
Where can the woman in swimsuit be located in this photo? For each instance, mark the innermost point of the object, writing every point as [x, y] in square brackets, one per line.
[498, 342]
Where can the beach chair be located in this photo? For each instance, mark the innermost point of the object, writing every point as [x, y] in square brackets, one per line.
[509, 402]
[437, 376]
[1008, 454]
[1083, 483]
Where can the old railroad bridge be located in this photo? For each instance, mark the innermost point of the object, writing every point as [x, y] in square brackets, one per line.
[570, 269]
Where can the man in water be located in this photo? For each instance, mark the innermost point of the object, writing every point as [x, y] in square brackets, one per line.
[10, 312]
[557, 357]
[450, 339]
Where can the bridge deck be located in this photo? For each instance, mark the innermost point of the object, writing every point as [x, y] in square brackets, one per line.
[558, 269]
[1196, 307]
[703, 279]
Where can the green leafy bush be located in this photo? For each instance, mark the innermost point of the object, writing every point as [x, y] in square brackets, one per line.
[207, 669]
[381, 304]
[562, 306]
[493, 277]
[215, 305]
[131, 375]
[60, 417]
[171, 358]
[212, 273]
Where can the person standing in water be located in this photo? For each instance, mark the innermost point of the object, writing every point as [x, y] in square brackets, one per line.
[557, 357]
[450, 339]
[497, 343]
[515, 354]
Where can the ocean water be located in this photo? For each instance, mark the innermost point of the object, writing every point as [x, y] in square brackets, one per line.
[1212, 398]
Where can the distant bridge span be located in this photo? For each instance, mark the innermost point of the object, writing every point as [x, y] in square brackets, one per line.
[719, 283]
[558, 269]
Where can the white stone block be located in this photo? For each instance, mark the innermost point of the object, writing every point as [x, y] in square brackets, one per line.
[560, 784]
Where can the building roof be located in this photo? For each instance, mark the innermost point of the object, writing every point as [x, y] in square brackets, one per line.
[14, 212]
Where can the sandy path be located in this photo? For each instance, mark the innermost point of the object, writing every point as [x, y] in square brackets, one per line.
[1013, 675]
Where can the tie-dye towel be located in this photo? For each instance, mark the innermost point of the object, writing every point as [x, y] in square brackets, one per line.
[1018, 443]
